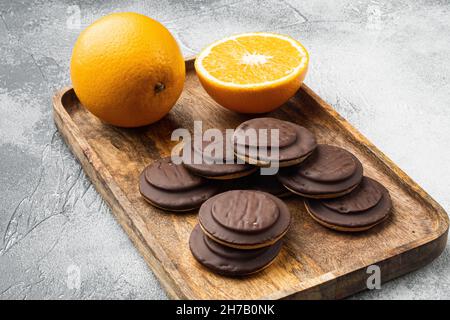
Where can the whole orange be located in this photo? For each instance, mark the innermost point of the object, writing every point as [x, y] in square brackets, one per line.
[127, 69]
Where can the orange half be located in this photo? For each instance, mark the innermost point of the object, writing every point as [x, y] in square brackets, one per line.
[252, 72]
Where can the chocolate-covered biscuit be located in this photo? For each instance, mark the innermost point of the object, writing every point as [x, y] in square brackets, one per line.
[365, 196]
[166, 175]
[294, 145]
[247, 212]
[215, 166]
[244, 219]
[286, 132]
[230, 261]
[361, 209]
[329, 172]
[171, 187]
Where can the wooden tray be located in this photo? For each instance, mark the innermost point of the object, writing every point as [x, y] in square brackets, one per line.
[315, 262]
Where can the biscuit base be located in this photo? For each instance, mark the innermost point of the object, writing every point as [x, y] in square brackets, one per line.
[168, 209]
[244, 274]
[322, 196]
[265, 164]
[229, 176]
[243, 247]
[178, 150]
[341, 228]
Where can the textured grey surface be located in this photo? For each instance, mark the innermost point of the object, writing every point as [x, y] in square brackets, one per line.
[384, 66]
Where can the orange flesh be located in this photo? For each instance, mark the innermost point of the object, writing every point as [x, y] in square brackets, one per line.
[251, 59]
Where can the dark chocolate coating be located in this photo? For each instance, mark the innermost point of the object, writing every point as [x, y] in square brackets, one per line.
[242, 233]
[177, 200]
[212, 166]
[219, 170]
[286, 132]
[357, 219]
[294, 178]
[228, 252]
[328, 164]
[164, 174]
[245, 212]
[289, 149]
[265, 183]
[225, 145]
[229, 261]
[365, 196]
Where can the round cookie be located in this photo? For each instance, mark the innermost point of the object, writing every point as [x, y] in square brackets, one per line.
[164, 174]
[230, 261]
[329, 172]
[171, 187]
[363, 208]
[295, 143]
[244, 219]
[214, 166]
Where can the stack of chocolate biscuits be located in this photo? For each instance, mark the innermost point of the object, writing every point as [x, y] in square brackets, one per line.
[171, 187]
[295, 143]
[241, 218]
[217, 167]
[239, 232]
[336, 193]
[184, 187]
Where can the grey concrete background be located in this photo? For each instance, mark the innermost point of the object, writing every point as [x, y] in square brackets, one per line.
[383, 65]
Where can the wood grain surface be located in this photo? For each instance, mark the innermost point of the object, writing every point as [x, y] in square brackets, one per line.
[315, 263]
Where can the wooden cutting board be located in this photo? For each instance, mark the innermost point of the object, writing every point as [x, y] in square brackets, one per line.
[315, 263]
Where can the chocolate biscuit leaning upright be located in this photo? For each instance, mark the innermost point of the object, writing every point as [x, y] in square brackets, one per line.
[171, 187]
[253, 143]
[329, 172]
